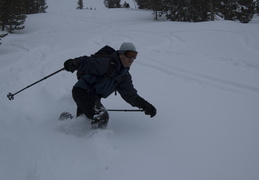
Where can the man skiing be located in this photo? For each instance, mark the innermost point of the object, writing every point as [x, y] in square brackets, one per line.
[99, 76]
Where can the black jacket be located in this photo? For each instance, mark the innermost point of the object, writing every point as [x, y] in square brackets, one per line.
[97, 80]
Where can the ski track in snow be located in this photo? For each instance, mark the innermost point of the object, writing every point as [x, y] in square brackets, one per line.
[203, 79]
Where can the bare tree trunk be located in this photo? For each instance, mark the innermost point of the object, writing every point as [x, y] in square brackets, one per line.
[211, 11]
[156, 15]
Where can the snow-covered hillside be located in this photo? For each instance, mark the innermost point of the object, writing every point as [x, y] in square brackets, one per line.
[203, 79]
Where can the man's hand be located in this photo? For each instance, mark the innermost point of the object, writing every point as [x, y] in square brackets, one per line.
[71, 65]
[149, 109]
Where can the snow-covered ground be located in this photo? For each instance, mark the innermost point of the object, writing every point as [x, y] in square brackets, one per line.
[203, 79]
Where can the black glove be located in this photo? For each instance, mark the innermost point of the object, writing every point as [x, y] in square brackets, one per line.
[148, 108]
[71, 65]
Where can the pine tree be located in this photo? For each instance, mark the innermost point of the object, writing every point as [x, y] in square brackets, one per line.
[42, 6]
[257, 6]
[13, 15]
[30, 7]
[242, 10]
[186, 10]
[17, 15]
[198, 10]
[245, 10]
[143, 4]
[157, 7]
[126, 5]
[112, 3]
[35, 6]
[172, 9]
[80, 4]
[4, 8]
[228, 9]
[2, 36]
[212, 15]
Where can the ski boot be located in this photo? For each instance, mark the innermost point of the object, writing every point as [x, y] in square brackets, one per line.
[101, 117]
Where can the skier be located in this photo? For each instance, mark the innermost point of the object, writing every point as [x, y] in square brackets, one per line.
[100, 76]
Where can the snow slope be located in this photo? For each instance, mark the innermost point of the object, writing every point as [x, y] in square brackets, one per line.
[203, 79]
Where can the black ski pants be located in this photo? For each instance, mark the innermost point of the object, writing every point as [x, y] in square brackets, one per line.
[89, 103]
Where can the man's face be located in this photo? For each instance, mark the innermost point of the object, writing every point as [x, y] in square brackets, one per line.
[128, 58]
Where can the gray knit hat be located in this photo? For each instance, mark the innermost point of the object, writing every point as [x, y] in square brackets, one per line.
[127, 46]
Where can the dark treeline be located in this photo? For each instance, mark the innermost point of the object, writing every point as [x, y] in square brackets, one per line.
[13, 12]
[116, 4]
[202, 10]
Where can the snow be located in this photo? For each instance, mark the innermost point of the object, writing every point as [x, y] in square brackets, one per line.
[201, 77]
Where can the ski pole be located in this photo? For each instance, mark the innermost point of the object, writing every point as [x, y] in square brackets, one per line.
[126, 110]
[10, 96]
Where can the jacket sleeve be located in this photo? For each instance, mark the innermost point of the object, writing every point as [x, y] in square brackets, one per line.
[129, 93]
[92, 65]
[127, 90]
